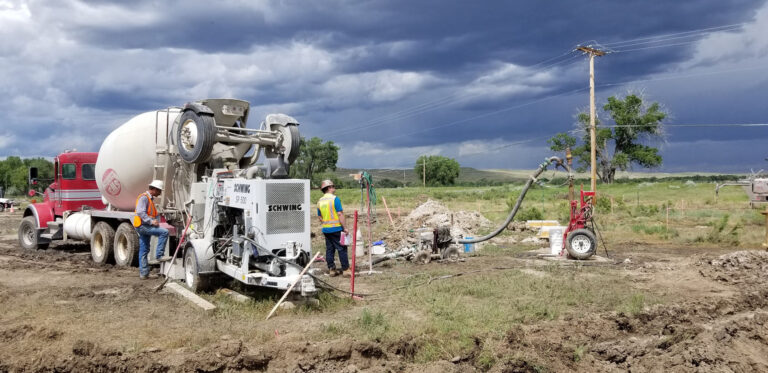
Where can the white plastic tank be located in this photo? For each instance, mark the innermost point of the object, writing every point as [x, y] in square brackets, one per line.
[125, 165]
[556, 239]
[78, 226]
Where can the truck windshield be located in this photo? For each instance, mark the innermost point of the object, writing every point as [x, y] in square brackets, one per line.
[89, 171]
[68, 171]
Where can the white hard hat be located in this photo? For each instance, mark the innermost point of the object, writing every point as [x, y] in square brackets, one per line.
[157, 184]
[325, 184]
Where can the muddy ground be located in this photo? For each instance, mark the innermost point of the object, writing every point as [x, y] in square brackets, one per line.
[59, 312]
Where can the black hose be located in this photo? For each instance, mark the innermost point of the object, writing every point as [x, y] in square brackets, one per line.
[531, 180]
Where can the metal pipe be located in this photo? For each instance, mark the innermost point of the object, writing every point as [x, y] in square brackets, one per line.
[531, 180]
[243, 129]
[263, 141]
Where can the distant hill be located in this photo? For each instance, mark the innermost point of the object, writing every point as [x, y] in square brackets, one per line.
[469, 174]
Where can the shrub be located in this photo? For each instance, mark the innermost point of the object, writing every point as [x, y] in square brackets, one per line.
[529, 213]
[721, 234]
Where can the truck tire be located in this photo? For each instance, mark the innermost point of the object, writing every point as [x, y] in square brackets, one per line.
[195, 136]
[28, 237]
[581, 244]
[126, 246]
[102, 240]
[192, 277]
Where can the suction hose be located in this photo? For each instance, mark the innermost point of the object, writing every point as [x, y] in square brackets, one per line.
[531, 180]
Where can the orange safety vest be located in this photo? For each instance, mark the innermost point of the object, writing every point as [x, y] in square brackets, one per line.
[328, 212]
[151, 210]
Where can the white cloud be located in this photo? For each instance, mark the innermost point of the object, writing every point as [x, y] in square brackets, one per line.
[6, 139]
[747, 45]
[379, 86]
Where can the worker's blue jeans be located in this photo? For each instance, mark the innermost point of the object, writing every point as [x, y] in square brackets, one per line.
[333, 244]
[145, 234]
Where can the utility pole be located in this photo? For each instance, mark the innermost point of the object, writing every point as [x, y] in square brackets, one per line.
[424, 172]
[592, 112]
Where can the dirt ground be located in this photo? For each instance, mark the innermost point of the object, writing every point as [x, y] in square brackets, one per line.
[59, 312]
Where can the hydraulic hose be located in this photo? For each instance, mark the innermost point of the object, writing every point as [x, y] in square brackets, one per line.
[531, 180]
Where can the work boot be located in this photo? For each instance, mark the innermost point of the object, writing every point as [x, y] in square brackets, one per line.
[333, 272]
[158, 260]
[346, 273]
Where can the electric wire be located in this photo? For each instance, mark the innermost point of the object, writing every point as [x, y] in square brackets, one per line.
[441, 102]
[698, 31]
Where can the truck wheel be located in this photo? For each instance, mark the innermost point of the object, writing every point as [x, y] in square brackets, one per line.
[28, 237]
[126, 246]
[581, 244]
[195, 136]
[102, 239]
[192, 277]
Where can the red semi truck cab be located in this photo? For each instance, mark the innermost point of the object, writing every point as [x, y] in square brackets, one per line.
[73, 188]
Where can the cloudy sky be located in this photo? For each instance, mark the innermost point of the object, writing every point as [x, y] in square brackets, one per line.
[485, 82]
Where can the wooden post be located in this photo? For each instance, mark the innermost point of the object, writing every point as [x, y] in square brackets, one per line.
[611, 204]
[682, 207]
[667, 219]
[765, 213]
[592, 111]
[370, 234]
[388, 214]
[292, 285]
[424, 172]
[354, 256]
[592, 114]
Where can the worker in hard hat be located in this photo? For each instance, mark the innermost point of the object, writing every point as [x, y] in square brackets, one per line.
[148, 225]
[331, 216]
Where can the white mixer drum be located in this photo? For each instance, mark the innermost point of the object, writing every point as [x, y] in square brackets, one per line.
[125, 165]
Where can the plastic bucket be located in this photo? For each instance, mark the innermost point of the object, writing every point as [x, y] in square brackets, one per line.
[556, 240]
[469, 247]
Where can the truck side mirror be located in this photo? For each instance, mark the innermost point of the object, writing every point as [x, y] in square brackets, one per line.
[32, 178]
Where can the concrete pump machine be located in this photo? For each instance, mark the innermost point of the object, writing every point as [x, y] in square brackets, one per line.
[248, 219]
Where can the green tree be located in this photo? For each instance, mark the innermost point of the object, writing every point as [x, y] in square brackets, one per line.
[619, 145]
[440, 170]
[14, 172]
[314, 158]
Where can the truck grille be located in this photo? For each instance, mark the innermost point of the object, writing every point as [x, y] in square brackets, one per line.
[285, 208]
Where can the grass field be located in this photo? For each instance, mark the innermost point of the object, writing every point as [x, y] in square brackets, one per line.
[501, 307]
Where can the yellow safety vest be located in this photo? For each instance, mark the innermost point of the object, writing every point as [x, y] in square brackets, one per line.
[328, 211]
[151, 210]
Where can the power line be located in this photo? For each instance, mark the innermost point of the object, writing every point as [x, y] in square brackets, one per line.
[678, 76]
[690, 125]
[731, 27]
[486, 114]
[440, 102]
[655, 46]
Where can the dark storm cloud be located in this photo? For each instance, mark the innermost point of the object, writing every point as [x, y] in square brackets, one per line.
[410, 74]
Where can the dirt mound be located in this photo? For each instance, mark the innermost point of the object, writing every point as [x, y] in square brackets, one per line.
[723, 335]
[740, 267]
[432, 214]
[226, 355]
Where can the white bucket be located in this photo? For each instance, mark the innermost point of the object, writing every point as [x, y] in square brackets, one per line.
[556, 240]
[360, 249]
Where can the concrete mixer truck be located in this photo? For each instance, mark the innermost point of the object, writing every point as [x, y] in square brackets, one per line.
[248, 220]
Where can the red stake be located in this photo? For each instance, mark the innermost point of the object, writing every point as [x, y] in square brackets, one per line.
[354, 255]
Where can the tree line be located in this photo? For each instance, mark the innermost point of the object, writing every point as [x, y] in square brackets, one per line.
[14, 172]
